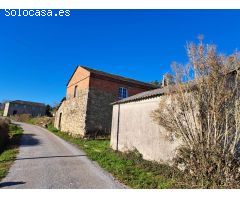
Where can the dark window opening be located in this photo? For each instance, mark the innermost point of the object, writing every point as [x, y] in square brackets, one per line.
[60, 121]
[14, 112]
[75, 91]
[122, 93]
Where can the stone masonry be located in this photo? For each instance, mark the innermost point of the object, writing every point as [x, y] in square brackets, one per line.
[99, 112]
[73, 115]
[19, 107]
[87, 108]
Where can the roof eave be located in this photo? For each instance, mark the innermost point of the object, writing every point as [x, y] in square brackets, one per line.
[137, 99]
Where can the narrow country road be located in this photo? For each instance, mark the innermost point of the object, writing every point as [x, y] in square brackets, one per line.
[46, 161]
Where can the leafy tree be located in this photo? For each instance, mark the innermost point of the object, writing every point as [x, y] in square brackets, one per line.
[49, 111]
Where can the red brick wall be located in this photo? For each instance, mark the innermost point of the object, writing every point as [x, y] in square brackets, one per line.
[84, 80]
[112, 87]
[81, 79]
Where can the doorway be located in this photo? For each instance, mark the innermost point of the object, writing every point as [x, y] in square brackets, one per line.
[14, 112]
[60, 120]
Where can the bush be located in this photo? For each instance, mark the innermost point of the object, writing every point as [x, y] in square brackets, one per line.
[21, 118]
[202, 110]
[10, 151]
[41, 121]
[4, 136]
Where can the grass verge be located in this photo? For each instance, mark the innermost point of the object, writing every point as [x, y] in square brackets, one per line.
[9, 154]
[130, 169]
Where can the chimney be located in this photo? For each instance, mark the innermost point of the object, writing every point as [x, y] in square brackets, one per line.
[167, 80]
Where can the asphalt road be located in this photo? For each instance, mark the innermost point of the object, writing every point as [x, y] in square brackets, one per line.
[45, 161]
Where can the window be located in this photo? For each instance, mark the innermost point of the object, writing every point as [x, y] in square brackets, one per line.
[122, 93]
[75, 91]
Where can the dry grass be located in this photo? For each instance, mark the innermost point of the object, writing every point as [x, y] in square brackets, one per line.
[21, 118]
[40, 121]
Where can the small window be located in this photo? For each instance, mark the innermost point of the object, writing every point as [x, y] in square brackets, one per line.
[122, 93]
[75, 91]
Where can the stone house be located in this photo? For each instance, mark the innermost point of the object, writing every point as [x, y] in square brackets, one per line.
[19, 107]
[134, 128]
[87, 108]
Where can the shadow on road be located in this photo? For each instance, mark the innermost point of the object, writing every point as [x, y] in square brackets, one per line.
[43, 157]
[29, 139]
[6, 184]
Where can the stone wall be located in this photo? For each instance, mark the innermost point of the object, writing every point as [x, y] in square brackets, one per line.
[134, 128]
[12, 108]
[73, 111]
[99, 111]
[90, 112]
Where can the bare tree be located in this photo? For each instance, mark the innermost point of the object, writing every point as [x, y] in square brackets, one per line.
[202, 109]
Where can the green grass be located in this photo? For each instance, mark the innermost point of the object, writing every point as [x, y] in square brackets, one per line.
[9, 154]
[130, 168]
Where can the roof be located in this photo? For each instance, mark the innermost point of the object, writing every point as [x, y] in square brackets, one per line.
[160, 91]
[143, 95]
[27, 103]
[151, 93]
[113, 76]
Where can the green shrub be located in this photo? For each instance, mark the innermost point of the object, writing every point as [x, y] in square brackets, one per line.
[4, 136]
[10, 151]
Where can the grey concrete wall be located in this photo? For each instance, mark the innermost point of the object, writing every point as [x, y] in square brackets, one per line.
[135, 129]
[33, 110]
[73, 112]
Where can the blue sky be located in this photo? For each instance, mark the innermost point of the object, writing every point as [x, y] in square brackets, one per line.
[39, 54]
